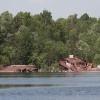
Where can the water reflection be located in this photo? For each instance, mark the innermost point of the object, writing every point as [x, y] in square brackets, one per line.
[28, 85]
[59, 74]
[51, 86]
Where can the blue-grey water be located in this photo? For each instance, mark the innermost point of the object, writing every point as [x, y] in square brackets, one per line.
[50, 86]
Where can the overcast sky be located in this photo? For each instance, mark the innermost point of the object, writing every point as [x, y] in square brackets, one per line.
[58, 8]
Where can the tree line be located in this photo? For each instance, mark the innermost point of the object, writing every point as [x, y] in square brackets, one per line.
[42, 41]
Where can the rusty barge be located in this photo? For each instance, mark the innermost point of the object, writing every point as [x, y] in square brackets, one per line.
[20, 68]
[73, 64]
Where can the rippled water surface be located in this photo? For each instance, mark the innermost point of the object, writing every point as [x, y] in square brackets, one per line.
[49, 86]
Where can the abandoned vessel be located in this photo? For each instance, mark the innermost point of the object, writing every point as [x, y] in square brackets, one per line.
[20, 68]
[73, 64]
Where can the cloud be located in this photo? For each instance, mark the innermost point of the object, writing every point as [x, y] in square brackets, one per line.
[37, 1]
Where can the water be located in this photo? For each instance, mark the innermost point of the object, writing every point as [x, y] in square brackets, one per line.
[49, 86]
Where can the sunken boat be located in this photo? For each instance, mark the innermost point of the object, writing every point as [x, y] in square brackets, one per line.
[73, 64]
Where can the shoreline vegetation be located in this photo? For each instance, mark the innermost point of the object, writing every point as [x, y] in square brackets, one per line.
[27, 39]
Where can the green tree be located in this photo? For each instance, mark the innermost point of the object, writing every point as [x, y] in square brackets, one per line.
[83, 49]
[25, 44]
[6, 24]
[17, 21]
[96, 58]
[60, 26]
[89, 38]
[71, 42]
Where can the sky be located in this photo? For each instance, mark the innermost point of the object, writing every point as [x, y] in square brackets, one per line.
[58, 8]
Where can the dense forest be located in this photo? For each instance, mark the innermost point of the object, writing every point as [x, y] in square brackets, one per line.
[42, 41]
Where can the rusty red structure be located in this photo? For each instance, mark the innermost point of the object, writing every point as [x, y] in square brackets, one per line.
[20, 68]
[72, 64]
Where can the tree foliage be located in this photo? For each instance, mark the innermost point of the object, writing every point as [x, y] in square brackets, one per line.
[40, 40]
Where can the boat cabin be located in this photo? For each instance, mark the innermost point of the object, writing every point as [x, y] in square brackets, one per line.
[74, 65]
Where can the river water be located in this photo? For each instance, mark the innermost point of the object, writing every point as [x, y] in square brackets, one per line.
[50, 86]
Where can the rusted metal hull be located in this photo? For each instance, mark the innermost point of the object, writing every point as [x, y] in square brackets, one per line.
[20, 68]
[76, 65]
